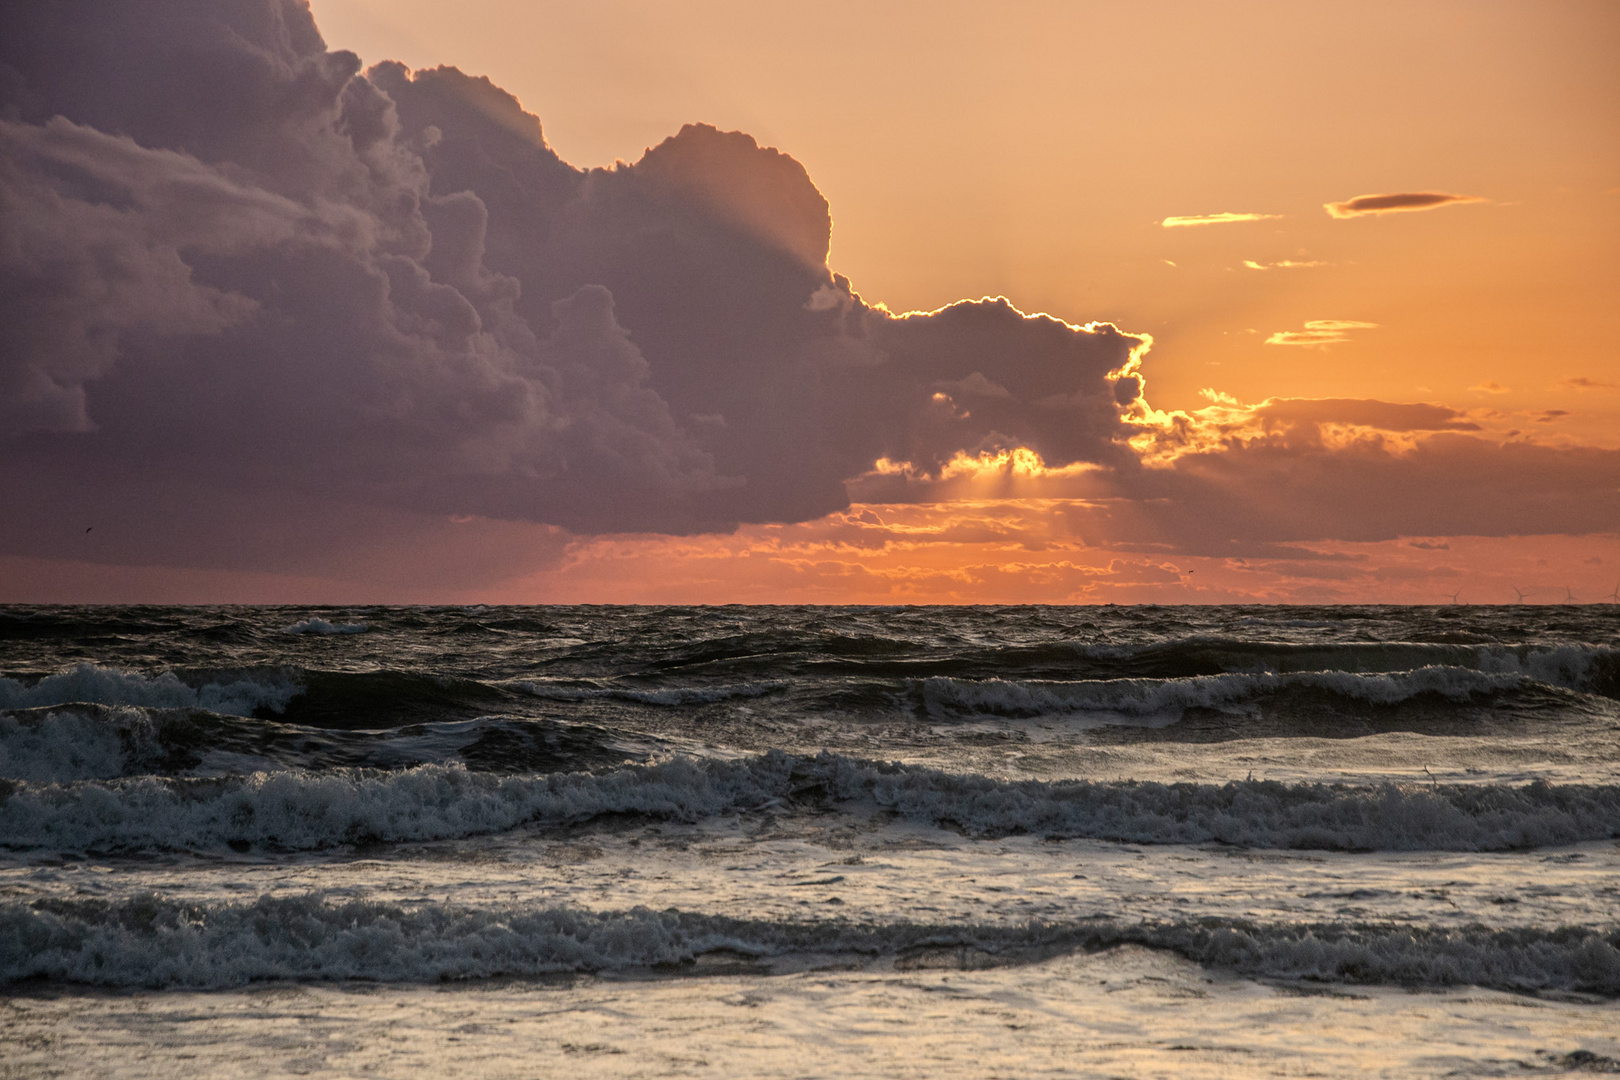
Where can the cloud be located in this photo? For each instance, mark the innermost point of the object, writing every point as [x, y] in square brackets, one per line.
[1319, 333]
[237, 262]
[1285, 264]
[1399, 202]
[1490, 388]
[1215, 219]
[1581, 382]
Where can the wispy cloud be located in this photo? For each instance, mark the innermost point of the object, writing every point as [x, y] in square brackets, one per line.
[1549, 416]
[1284, 264]
[1581, 382]
[1215, 219]
[1319, 333]
[1489, 388]
[1397, 202]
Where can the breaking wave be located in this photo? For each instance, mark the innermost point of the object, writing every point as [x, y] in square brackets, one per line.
[110, 686]
[317, 625]
[148, 941]
[99, 742]
[301, 810]
[1158, 702]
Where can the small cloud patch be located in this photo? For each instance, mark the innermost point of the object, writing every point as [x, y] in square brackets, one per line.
[1489, 388]
[1581, 382]
[1396, 203]
[1319, 333]
[1214, 219]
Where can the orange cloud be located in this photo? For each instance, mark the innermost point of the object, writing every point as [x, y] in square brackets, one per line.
[1215, 219]
[1399, 202]
[1319, 333]
[1284, 264]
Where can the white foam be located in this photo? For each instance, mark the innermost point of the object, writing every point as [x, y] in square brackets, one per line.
[64, 746]
[317, 625]
[149, 941]
[296, 809]
[1574, 667]
[110, 686]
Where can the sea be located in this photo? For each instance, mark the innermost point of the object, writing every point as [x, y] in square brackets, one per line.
[810, 841]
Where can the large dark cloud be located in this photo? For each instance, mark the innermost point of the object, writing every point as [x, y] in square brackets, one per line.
[235, 261]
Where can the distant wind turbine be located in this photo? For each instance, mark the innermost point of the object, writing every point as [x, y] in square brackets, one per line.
[1522, 593]
[1569, 597]
[1614, 597]
[1453, 596]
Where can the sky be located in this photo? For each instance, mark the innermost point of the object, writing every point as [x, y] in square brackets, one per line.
[879, 303]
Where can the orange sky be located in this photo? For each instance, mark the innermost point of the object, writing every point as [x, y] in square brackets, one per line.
[1032, 152]
[1041, 151]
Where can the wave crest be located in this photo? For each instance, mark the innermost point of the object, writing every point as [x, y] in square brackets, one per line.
[152, 942]
[310, 810]
[99, 685]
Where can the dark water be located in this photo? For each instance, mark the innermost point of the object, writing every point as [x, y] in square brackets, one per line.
[559, 688]
[202, 738]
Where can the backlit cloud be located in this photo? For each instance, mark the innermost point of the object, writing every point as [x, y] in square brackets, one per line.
[1319, 333]
[1398, 202]
[240, 263]
[1215, 219]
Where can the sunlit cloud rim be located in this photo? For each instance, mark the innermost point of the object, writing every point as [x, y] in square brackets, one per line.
[1319, 333]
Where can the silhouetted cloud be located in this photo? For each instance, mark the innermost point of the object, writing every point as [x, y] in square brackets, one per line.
[1581, 382]
[1226, 218]
[1398, 202]
[235, 261]
[1319, 333]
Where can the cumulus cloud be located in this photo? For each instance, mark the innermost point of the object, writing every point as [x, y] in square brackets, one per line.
[235, 260]
[1225, 218]
[1319, 333]
[1396, 203]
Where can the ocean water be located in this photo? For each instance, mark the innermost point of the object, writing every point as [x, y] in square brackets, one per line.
[806, 841]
